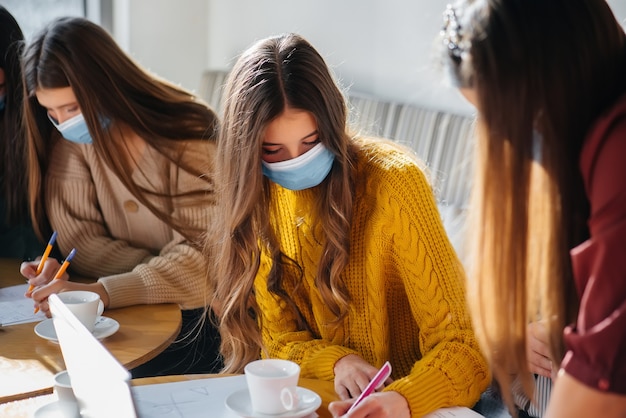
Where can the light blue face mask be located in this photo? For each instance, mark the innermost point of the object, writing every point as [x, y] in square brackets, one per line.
[307, 170]
[74, 129]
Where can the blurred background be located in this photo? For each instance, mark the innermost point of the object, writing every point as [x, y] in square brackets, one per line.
[378, 47]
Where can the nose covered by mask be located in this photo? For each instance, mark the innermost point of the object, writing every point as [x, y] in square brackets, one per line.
[307, 170]
[74, 129]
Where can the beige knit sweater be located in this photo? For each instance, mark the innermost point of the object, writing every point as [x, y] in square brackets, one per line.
[138, 258]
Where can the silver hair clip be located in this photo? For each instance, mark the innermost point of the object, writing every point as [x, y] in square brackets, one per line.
[451, 33]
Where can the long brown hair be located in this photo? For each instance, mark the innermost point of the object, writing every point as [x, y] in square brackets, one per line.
[13, 178]
[109, 86]
[541, 71]
[274, 73]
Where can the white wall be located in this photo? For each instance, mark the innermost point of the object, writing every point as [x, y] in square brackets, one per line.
[169, 38]
[374, 46]
[383, 47]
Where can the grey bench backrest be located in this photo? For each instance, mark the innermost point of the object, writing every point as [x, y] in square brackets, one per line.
[441, 139]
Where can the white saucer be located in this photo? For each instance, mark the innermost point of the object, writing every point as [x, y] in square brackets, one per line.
[104, 328]
[54, 410]
[239, 403]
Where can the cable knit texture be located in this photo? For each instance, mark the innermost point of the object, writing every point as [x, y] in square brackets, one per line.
[405, 281]
[138, 258]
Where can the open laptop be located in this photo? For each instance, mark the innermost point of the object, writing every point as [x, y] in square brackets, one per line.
[100, 383]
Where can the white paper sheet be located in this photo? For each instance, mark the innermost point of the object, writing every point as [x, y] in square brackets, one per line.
[187, 399]
[200, 398]
[15, 308]
[454, 412]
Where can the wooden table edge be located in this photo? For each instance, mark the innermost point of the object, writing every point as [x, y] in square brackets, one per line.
[154, 353]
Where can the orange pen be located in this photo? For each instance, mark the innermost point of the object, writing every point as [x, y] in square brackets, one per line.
[61, 270]
[44, 257]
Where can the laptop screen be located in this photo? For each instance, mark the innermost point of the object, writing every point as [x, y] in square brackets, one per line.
[100, 382]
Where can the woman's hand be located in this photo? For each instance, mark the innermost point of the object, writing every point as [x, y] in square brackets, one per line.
[28, 269]
[378, 405]
[538, 350]
[44, 285]
[352, 374]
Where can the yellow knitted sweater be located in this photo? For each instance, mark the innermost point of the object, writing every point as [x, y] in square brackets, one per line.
[405, 281]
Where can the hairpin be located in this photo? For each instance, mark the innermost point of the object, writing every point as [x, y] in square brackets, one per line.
[451, 33]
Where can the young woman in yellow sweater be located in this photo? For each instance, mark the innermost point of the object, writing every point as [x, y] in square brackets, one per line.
[120, 164]
[330, 251]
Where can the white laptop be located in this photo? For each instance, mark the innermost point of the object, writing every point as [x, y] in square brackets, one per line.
[100, 383]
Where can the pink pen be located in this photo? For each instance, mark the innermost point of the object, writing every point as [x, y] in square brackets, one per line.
[378, 380]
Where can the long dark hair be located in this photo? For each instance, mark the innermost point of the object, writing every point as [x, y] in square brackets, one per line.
[109, 85]
[542, 72]
[13, 175]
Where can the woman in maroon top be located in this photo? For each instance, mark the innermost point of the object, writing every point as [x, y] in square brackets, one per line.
[548, 78]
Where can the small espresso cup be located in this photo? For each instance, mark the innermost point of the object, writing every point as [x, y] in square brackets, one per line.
[67, 403]
[86, 305]
[272, 385]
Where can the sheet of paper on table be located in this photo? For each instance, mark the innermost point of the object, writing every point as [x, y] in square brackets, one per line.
[199, 398]
[454, 412]
[15, 308]
[187, 399]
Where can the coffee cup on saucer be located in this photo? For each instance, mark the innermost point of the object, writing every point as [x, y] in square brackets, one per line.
[272, 384]
[86, 305]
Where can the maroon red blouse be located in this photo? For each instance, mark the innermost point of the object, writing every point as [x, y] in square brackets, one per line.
[596, 344]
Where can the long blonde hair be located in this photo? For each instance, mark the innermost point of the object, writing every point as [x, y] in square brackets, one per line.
[274, 73]
[542, 72]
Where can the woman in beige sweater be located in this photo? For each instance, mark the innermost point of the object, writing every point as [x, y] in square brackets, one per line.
[117, 160]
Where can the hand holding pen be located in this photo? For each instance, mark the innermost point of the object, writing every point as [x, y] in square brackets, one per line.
[44, 257]
[386, 403]
[377, 381]
[60, 272]
[62, 269]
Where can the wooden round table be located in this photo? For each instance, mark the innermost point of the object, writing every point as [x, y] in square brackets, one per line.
[29, 362]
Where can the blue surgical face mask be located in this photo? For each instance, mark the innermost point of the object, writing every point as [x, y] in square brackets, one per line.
[3, 101]
[307, 170]
[74, 129]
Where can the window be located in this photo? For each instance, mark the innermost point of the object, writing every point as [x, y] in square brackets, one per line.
[33, 15]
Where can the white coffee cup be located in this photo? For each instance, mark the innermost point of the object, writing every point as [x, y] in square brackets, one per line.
[86, 305]
[272, 385]
[66, 401]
